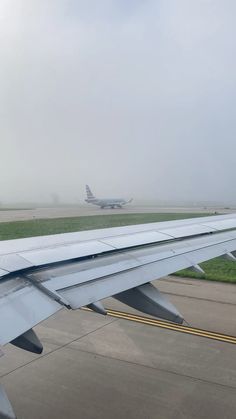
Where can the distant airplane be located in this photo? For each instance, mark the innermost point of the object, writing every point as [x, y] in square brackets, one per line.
[105, 202]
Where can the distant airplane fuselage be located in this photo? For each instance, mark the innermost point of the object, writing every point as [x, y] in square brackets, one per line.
[105, 202]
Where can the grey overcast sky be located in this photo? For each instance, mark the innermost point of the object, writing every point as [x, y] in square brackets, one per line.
[136, 98]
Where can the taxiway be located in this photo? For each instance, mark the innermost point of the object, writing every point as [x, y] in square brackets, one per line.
[97, 366]
[90, 210]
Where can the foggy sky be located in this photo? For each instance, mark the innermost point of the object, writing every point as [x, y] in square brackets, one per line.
[136, 98]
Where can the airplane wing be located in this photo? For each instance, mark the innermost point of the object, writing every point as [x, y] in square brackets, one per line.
[42, 275]
[39, 276]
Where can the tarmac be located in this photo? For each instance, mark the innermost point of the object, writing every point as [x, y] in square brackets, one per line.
[102, 367]
[90, 210]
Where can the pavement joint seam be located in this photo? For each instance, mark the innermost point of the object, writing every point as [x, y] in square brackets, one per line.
[198, 298]
[153, 368]
[56, 349]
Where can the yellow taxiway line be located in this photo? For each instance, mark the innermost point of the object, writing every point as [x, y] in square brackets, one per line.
[171, 326]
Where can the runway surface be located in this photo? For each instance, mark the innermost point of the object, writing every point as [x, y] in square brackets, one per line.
[97, 366]
[76, 211]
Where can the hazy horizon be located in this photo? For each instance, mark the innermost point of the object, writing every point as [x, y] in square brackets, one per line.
[137, 99]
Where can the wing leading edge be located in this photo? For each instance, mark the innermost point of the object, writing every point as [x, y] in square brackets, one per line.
[21, 254]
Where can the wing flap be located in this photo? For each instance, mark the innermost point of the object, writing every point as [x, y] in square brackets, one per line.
[22, 306]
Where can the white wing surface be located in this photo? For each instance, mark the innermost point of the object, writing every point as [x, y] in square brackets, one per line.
[41, 275]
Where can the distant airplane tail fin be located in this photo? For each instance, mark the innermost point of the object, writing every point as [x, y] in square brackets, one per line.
[90, 196]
